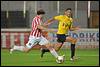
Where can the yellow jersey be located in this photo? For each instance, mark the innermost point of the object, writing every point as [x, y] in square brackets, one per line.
[64, 24]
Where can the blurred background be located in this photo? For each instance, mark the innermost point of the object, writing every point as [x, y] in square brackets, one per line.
[19, 14]
[16, 19]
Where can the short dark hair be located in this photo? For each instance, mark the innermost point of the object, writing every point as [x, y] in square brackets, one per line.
[40, 12]
[68, 9]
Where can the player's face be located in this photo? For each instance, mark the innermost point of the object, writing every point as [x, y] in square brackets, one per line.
[68, 13]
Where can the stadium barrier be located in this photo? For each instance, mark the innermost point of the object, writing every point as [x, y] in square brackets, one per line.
[87, 38]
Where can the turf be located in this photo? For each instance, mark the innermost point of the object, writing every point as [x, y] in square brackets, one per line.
[88, 57]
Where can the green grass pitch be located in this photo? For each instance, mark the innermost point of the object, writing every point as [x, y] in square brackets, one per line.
[88, 57]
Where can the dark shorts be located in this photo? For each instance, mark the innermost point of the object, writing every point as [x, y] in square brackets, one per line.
[61, 38]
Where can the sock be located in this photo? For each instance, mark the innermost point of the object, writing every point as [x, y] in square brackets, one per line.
[72, 50]
[46, 50]
[54, 53]
[20, 48]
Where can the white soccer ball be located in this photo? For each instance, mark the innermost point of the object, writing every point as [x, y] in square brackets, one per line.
[60, 59]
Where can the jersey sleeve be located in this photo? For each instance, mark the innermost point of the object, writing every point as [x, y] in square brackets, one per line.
[58, 17]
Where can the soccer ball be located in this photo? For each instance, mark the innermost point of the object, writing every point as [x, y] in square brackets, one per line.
[60, 59]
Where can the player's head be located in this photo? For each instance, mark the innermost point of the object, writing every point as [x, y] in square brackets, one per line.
[68, 12]
[40, 12]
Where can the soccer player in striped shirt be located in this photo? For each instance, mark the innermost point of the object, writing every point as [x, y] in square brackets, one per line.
[36, 36]
[65, 24]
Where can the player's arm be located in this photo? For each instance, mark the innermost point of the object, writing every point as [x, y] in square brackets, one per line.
[74, 28]
[46, 29]
[48, 22]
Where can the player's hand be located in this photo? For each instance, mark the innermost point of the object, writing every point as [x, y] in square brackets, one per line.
[46, 24]
[77, 28]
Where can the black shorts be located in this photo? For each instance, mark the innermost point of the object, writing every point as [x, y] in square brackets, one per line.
[61, 38]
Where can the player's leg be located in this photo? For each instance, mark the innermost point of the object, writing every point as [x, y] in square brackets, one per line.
[52, 50]
[73, 42]
[56, 46]
[15, 47]
[49, 46]
[29, 45]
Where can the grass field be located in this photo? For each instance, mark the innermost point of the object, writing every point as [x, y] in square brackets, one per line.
[88, 57]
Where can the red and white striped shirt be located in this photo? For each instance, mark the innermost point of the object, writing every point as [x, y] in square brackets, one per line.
[35, 31]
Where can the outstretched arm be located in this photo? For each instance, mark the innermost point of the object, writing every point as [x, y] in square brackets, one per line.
[48, 22]
[46, 29]
[74, 28]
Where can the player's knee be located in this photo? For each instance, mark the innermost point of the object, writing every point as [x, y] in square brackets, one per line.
[49, 46]
[58, 47]
[74, 41]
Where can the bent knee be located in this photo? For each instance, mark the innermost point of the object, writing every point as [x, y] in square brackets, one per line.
[49, 46]
[74, 41]
[57, 47]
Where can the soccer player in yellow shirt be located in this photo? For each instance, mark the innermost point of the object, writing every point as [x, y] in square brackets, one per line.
[65, 24]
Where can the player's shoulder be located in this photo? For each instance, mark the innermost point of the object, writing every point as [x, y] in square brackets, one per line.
[59, 15]
[36, 18]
